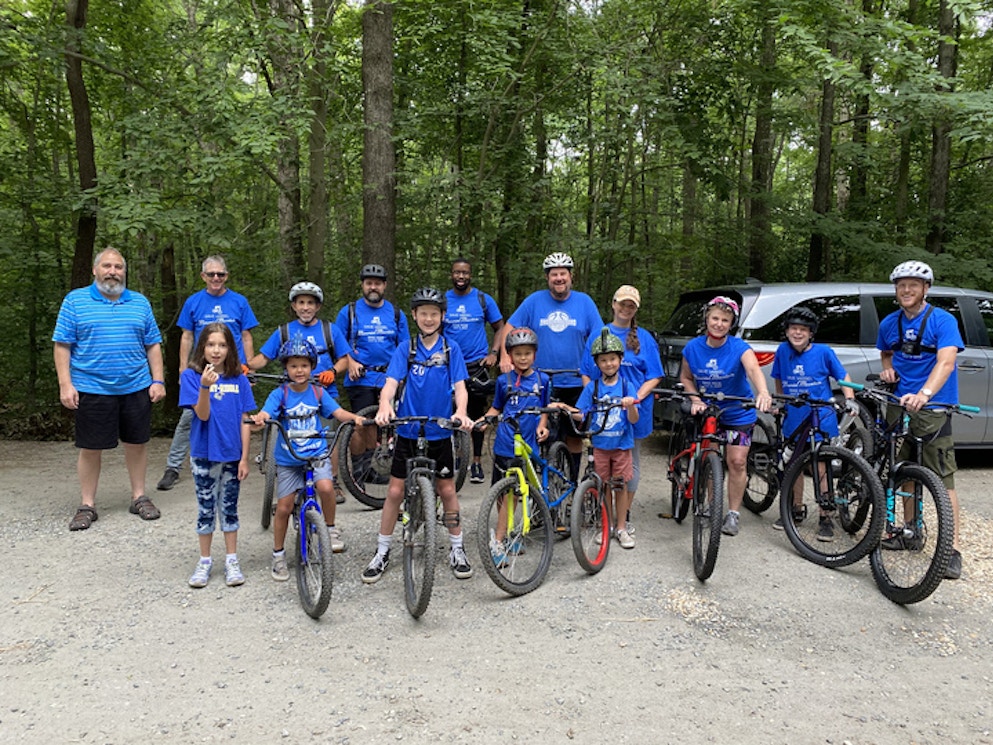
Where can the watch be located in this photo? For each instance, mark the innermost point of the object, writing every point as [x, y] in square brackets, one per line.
[927, 392]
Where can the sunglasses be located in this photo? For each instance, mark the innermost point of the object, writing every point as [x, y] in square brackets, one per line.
[215, 274]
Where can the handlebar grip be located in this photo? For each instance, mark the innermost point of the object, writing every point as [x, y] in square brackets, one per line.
[853, 386]
[969, 409]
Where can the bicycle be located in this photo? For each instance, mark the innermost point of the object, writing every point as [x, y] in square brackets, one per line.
[314, 571]
[841, 484]
[910, 561]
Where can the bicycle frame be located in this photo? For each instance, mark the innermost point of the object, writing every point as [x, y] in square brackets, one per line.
[527, 476]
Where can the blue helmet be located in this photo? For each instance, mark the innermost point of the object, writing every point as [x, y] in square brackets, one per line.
[298, 347]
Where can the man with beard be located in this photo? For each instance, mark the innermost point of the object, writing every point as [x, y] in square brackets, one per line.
[216, 303]
[108, 358]
[373, 328]
[468, 311]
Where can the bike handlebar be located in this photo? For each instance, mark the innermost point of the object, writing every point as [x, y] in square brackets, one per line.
[288, 437]
[881, 394]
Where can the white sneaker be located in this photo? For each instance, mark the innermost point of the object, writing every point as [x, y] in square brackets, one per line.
[337, 544]
[625, 539]
[201, 575]
[232, 573]
[280, 572]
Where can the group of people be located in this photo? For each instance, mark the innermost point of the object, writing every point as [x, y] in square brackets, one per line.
[109, 363]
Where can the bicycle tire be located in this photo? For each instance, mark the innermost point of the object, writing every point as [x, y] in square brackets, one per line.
[561, 459]
[857, 439]
[590, 523]
[708, 515]
[462, 456]
[519, 564]
[315, 576]
[678, 475]
[856, 506]
[269, 440]
[367, 480]
[419, 541]
[910, 575]
[762, 486]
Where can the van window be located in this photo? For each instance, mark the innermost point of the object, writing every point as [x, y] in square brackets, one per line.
[985, 306]
[839, 322]
[887, 304]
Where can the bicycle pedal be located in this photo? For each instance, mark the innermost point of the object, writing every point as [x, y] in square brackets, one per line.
[666, 515]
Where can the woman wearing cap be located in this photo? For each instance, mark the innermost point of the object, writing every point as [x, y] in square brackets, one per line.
[719, 362]
[641, 367]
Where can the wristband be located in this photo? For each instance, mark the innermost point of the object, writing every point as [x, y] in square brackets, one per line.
[159, 382]
[204, 387]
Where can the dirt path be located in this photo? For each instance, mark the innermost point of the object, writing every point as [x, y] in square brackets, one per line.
[101, 640]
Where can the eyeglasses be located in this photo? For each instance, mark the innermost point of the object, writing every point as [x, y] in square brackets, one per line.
[217, 275]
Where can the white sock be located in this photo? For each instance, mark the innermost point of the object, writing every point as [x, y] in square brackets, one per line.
[383, 543]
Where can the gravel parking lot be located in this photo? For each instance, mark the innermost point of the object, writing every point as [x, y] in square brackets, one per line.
[104, 642]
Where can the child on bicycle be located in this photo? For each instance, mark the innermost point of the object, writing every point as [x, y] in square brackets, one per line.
[214, 387]
[800, 366]
[299, 405]
[432, 369]
[613, 437]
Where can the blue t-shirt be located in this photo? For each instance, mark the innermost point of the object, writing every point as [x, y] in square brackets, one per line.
[465, 321]
[219, 438]
[108, 340]
[373, 339]
[618, 432]
[635, 368]
[202, 308]
[514, 393]
[315, 335]
[301, 413]
[562, 326]
[719, 370]
[940, 331]
[429, 382]
[808, 372]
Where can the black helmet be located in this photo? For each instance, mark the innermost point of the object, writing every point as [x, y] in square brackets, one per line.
[800, 316]
[428, 296]
[373, 271]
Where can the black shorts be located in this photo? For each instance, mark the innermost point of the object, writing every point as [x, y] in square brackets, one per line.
[440, 451]
[567, 425]
[103, 420]
[362, 396]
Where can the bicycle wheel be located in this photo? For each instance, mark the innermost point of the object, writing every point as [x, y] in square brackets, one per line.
[857, 439]
[590, 526]
[762, 486]
[517, 563]
[367, 475]
[846, 523]
[268, 466]
[419, 538]
[314, 573]
[679, 477]
[708, 514]
[462, 444]
[909, 567]
[560, 458]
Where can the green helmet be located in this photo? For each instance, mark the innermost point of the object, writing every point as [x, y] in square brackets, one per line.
[606, 343]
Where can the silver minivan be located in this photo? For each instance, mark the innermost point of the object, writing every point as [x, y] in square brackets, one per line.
[850, 313]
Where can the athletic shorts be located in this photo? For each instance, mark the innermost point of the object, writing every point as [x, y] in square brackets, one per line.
[738, 435]
[102, 421]
[610, 463]
[568, 396]
[440, 451]
[291, 479]
[362, 396]
[939, 453]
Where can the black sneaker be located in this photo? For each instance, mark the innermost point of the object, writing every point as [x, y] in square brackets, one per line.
[476, 473]
[460, 563]
[825, 531]
[954, 570]
[168, 480]
[376, 568]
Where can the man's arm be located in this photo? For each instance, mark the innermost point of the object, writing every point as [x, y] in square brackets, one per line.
[185, 348]
[68, 394]
[248, 343]
[156, 391]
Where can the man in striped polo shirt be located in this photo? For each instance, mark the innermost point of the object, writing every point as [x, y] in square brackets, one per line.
[108, 358]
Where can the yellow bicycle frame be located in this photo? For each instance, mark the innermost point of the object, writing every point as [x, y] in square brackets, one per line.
[526, 477]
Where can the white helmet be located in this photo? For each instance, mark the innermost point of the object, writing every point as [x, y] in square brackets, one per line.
[912, 270]
[557, 260]
[306, 288]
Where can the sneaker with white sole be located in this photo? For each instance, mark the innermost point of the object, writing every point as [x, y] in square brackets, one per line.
[337, 543]
[730, 526]
[625, 539]
[459, 563]
[201, 575]
[476, 473]
[825, 531]
[280, 572]
[498, 550]
[377, 566]
[232, 573]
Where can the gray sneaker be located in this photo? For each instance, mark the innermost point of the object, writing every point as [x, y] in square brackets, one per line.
[280, 572]
[232, 573]
[730, 526]
[337, 543]
[168, 480]
[201, 575]
[460, 563]
[825, 530]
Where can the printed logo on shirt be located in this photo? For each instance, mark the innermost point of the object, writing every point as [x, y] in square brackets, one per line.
[217, 310]
[910, 334]
[712, 364]
[798, 371]
[558, 321]
[219, 390]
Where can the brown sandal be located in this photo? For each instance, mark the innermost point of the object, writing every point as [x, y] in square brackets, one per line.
[143, 507]
[85, 516]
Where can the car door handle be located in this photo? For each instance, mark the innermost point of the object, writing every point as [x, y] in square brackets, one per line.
[971, 366]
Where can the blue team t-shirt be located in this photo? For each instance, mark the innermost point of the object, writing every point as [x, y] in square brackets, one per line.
[373, 339]
[562, 326]
[428, 387]
[513, 394]
[618, 432]
[808, 372]
[465, 321]
[300, 413]
[719, 370]
[230, 308]
[940, 331]
[635, 368]
[219, 438]
[315, 335]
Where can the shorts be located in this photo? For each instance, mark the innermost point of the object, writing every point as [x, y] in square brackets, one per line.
[568, 396]
[362, 396]
[738, 435]
[611, 463]
[939, 453]
[500, 465]
[440, 451]
[103, 420]
[291, 479]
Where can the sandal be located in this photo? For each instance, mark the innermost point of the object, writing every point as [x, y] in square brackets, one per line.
[143, 507]
[85, 516]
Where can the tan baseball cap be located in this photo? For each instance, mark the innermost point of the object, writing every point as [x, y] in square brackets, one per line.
[627, 292]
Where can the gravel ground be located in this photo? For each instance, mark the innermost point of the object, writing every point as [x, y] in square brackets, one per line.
[102, 641]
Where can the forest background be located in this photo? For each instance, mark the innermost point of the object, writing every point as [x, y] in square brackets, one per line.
[671, 144]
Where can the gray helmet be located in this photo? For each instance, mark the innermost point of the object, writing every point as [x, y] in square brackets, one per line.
[373, 271]
[306, 288]
[912, 270]
[428, 296]
[520, 337]
[606, 343]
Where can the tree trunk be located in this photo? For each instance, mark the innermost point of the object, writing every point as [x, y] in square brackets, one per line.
[378, 154]
[941, 141]
[173, 333]
[317, 223]
[819, 257]
[759, 230]
[86, 218]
